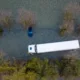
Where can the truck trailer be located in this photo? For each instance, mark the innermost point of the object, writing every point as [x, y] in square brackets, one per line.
[54, 46]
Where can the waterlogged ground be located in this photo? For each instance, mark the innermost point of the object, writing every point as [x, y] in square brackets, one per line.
[49, 18]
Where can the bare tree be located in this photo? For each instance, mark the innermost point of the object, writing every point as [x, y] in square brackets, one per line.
[67, 26]
[25, 18]
[71, 11]
[6, 18]
[73, 7]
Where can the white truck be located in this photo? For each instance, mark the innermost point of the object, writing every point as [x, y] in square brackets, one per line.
[55, 46]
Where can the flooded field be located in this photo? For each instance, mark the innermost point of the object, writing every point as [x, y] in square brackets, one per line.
[49, 15]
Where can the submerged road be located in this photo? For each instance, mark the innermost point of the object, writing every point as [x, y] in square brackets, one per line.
[15, 42]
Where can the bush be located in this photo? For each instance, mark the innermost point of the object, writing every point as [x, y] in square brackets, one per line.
[37, 69]
[63, 31]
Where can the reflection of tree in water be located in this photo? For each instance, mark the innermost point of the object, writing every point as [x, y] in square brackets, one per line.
[26, 18]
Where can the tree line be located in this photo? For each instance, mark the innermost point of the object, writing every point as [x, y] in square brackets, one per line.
[35, 68]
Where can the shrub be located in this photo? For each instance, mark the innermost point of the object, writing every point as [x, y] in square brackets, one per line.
[63, 31]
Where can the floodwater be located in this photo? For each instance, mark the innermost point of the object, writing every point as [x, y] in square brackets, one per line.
[49, 17]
